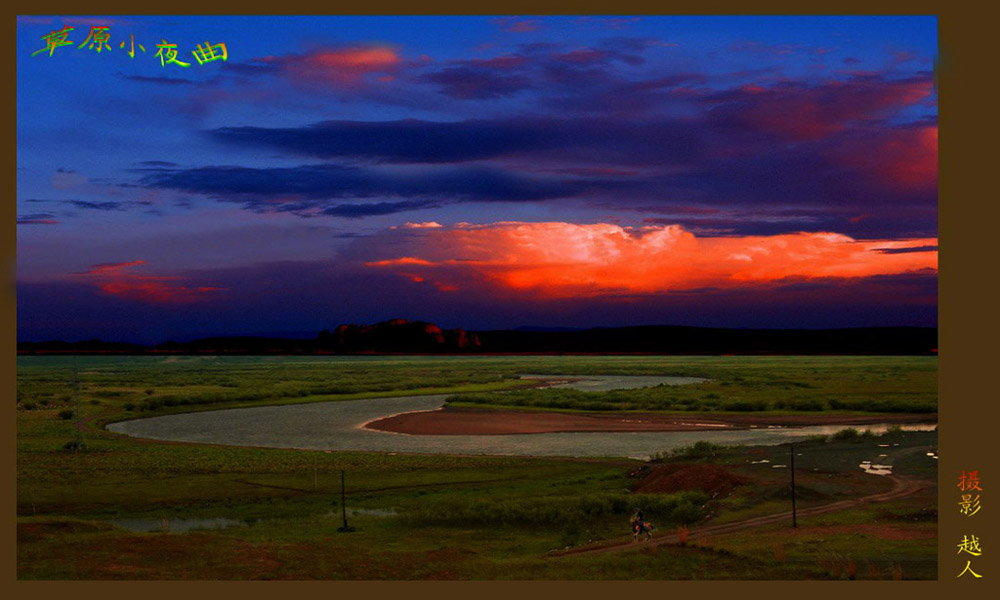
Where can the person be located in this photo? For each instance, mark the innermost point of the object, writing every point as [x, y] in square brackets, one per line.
[637, 524]
[640, 526]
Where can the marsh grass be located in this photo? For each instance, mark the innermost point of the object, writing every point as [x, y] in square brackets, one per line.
[749, 384]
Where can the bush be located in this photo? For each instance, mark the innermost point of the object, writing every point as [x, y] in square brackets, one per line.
[66, 415]
[74, 446]
[812, 405]
[701, 449]
[28, 406]
[846, 434]
[746, 405]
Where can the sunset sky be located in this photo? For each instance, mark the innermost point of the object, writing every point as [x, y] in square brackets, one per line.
[476, 172]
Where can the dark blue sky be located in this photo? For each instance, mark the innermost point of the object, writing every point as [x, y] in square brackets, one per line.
[481, 172]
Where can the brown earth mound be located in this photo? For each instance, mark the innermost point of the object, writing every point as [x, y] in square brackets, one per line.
[715, 481]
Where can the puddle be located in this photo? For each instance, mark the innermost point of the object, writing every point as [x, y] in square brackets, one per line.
[872, 469]
[779, 466]
[758, 462]
[174, 525]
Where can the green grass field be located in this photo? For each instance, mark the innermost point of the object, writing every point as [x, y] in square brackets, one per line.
[441, 517]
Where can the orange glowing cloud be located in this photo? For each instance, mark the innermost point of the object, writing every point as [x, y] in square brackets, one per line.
[112, 279]
[586, 260]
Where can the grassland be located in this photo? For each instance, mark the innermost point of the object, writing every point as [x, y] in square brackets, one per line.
[424, 516]
[790, 384]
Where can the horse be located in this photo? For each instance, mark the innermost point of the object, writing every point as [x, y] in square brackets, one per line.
[642, 527]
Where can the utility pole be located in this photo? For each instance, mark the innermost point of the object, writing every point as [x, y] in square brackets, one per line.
[343, 506]
[791, 453]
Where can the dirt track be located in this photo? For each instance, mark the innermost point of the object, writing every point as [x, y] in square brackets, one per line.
[904, 486]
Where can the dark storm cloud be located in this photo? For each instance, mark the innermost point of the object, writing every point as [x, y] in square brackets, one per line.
[171, 81]
[37, 219]
[357, 211]
[310, 187]
[416, 141]
[158, 163]
[836, 147]
[106, 206]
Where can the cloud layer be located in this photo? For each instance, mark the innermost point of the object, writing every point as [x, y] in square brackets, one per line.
[573, 260]
[115, 279]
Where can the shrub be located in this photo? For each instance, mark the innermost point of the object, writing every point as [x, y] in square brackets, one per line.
[746, 405]
[700, 449]
[28, 406]
[812, 405]
[66, 415]
[74, 446]
[845, 434]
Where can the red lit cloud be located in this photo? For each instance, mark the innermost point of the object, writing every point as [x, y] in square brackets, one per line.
[339, 66]
[557, 259]
[112, 279]
[805, 112]
[904, 158]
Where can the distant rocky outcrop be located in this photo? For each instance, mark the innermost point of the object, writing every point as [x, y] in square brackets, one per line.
[397, 335]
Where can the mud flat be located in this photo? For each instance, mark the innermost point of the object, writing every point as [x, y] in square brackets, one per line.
[472, 421]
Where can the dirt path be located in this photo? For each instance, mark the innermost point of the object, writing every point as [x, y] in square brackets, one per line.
[904, 486]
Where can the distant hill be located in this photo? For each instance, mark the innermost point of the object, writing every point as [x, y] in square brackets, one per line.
[401, 336]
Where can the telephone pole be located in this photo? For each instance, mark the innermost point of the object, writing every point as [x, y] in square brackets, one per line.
[343, 506]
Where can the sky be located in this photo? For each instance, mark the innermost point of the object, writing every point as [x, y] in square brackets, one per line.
[477, 172]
